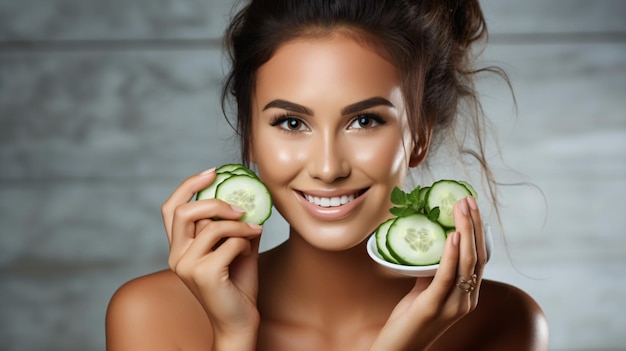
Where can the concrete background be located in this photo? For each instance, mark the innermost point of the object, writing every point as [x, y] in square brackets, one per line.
[105, 106]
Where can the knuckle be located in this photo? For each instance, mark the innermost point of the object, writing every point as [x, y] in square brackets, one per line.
[469, 260]
[209, 230]
[183, 269]
[165, 209]
[179, 211]
[203, 223]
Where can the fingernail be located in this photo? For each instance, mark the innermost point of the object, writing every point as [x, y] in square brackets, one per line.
[208, 171]
[464, 207]
[455, 238]
[237, 209]
[255, 226]
[472, 202]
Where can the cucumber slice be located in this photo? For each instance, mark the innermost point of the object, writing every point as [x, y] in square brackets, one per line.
[423, 192]
[235, 168]
[444, 194]
[250, 194]
[229, 167]
[416, 240]
[244, 171]
[209, 192]
[470, 188]
[381, 240]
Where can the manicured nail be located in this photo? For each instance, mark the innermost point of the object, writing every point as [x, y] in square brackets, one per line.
[255, 226]
[464, 208]
[208, 171]
[472, 202]
[237, 209]
[455, 238]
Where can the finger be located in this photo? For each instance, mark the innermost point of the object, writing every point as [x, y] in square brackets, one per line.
[465, 227]
[185, 255]
[188, 218]
[481, 246]
[479, 234]
[232, 248]
[446, 274]
[246, 267]
[194, 215]
[183, 194]
[214, 268]
[201, 224]
[215, 235]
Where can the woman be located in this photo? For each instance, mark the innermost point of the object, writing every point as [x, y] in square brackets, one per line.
[336, 100]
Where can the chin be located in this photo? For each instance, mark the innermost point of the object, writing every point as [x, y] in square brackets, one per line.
[333, 239]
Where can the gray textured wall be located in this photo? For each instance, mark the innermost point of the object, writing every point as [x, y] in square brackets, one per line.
[105, 106]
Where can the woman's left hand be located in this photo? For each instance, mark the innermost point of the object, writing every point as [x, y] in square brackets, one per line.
[433, 306]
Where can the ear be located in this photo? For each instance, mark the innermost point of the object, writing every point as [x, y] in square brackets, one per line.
[419, 152]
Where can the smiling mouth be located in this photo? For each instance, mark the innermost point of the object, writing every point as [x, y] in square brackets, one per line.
[334, 201]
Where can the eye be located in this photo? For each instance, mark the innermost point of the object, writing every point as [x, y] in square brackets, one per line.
[289, 124]
[365, 121]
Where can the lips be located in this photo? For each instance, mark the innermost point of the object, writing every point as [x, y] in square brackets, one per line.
[332, 205]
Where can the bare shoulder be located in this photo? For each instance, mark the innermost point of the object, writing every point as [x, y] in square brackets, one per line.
[156, 312]
[506, 318]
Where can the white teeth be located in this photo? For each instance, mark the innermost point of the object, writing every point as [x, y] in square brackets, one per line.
[329, 201]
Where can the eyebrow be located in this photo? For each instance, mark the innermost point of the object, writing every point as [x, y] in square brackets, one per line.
[350, 109]
[365, 104]
[289, 106]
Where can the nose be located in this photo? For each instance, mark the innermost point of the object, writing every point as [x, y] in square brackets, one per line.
[329, 161]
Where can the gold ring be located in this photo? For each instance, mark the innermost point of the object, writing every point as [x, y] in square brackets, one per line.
[467, 285]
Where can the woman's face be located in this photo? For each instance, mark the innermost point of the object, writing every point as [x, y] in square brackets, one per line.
[330, 137]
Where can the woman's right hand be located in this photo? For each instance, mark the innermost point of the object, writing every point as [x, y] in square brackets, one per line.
[216, 259]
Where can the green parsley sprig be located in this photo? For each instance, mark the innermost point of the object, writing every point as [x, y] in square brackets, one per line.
[410, 203]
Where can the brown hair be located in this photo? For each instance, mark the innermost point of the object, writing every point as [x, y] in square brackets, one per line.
[429, 41]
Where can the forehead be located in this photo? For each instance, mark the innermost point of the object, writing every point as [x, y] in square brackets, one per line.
[334, 65]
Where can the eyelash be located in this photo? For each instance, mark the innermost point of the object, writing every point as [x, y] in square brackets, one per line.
[282, 118]
[371, 116]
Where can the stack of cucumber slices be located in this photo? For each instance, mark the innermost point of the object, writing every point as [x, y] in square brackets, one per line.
[239, 186]
[423, 218]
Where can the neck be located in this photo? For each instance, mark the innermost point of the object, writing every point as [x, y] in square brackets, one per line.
[328, 286]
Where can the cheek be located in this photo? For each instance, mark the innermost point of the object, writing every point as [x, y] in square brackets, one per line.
[277, 159]
[290, 154]
[382, 157]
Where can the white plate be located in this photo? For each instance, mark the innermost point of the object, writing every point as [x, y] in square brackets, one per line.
[415, 271]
